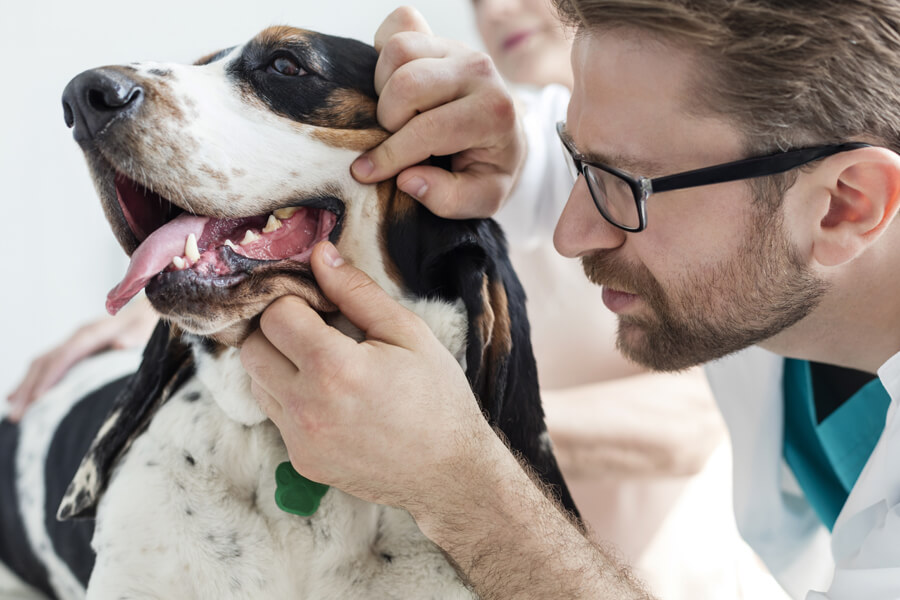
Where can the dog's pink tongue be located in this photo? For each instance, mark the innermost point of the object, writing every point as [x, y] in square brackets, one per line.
[152, 256]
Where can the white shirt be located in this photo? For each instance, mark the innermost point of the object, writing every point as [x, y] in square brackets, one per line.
[860, 560]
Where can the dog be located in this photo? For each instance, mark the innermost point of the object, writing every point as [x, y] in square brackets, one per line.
[217, 179]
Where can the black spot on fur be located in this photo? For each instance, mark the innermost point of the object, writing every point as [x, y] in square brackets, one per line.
[189, 459]
[15, 551]
[167, 363]
[192, 397]
[71, 539]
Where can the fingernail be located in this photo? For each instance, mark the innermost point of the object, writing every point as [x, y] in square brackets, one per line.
[362, 166]
[331, 255]
[415, 187]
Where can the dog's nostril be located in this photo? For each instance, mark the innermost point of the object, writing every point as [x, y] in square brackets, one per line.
[114, 98]
[68, 115]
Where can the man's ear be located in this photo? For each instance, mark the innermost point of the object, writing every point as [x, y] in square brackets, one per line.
[863, 189]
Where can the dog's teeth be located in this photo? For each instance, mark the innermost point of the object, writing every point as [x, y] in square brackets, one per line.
[249, 237]
[178, 262]
[230, 244]
[191, 251]
[285, 213]
[272, 224]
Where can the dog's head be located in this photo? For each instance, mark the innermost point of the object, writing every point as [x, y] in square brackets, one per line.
[218, 178]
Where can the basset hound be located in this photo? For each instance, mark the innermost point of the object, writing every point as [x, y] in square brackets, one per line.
[217, 179]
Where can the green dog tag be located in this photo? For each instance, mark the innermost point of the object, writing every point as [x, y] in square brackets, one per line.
[295, 493]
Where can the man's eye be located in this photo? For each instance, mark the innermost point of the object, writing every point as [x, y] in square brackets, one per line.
[284, 65]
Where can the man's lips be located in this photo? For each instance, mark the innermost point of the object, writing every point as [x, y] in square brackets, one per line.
[618, 301]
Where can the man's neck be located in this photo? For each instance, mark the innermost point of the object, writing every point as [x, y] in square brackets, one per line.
[857, 324]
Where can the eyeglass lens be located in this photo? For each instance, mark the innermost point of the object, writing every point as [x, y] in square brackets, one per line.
[612, 195]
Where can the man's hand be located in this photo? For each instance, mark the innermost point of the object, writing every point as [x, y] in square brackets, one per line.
[391, 419]
[440, 98]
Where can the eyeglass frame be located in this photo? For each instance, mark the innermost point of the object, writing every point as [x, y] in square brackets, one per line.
[748, 168]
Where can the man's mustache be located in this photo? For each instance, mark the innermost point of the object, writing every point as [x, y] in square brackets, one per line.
[605, 269]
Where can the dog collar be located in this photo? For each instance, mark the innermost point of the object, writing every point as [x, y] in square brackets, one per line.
[296, 494]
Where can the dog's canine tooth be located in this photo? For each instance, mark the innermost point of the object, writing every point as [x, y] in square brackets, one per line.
[178, 262]
[190, 248]
[249, 237]
[230, 244]
[272, 224]
[285, 213]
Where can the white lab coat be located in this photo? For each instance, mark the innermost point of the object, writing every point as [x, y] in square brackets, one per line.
[861, 559]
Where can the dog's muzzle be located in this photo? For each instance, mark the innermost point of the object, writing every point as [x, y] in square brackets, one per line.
[97, 98]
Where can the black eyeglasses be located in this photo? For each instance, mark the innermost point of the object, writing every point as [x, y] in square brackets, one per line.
[622, 198]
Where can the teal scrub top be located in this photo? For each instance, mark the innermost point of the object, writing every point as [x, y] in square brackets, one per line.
[827, 457]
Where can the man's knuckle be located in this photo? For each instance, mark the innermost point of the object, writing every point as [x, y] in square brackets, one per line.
[404, 84]
[502, 109]
[480, 65]
[399, 49]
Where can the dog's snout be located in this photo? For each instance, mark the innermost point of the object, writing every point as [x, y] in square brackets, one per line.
[96, 98]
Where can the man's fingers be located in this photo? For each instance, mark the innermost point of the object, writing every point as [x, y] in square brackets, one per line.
[472, 194]
[405, 18]
[415, 88]
[298, 332]
[360, 299]
[405, 49]
[269, 369]
[267, 402]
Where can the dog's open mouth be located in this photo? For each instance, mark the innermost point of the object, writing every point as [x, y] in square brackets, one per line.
[218, 252]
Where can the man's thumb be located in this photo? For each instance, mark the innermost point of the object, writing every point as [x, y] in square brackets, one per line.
[357, 296]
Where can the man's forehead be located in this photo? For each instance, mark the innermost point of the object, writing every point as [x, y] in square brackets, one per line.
[634, 106]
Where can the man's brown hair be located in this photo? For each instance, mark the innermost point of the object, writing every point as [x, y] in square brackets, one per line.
[790, 73]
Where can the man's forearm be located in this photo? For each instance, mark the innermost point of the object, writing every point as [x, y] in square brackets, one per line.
[516, 543]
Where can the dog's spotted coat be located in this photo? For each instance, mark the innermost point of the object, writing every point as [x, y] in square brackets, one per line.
[180, 473]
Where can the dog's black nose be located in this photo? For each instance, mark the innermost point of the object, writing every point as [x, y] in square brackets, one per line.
[95, 98]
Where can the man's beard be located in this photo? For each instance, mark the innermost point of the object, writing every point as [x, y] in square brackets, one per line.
[763, 288]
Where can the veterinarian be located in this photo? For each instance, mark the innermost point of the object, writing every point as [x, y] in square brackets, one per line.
[635, 447]
[782, 268]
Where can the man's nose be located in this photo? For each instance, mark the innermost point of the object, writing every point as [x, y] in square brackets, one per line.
[581, 228]
[96, 98]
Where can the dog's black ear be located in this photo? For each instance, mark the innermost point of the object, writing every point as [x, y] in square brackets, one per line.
[167, 363]
[467, 260]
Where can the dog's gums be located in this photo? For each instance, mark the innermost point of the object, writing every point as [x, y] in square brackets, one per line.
[217, 250]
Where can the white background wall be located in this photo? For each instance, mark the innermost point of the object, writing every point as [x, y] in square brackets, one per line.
[57, 256]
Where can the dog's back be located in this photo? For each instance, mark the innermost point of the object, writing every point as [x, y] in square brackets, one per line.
[38, 458]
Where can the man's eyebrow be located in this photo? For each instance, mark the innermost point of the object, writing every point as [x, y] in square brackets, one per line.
[633, 165]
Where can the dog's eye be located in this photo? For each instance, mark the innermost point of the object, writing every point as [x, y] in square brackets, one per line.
[284, 65]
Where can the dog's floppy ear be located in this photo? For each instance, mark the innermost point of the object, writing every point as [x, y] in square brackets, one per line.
[467, 260]
[166, 364]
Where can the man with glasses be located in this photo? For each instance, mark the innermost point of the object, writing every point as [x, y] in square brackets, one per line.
[736, 196]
